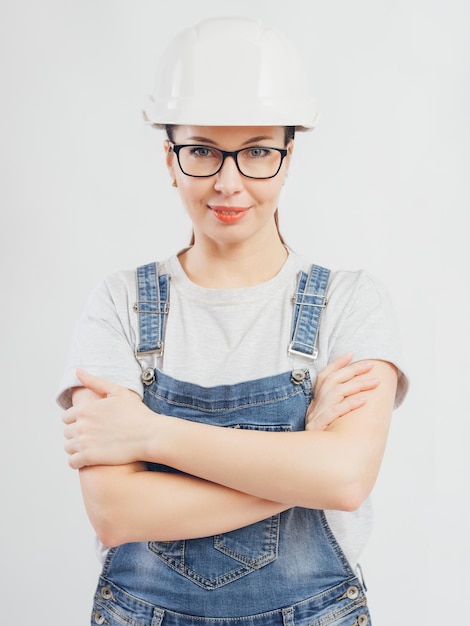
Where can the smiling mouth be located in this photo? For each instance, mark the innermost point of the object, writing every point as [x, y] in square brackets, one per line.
[228, 214]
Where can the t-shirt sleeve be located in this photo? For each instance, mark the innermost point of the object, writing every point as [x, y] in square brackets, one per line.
[104, 339]
[363, 320]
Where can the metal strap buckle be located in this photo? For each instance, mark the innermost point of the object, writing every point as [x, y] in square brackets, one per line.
[312, 356]
[157, 352]
[148, 371]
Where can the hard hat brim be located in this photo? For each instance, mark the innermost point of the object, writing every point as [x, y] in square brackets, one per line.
[260, 112]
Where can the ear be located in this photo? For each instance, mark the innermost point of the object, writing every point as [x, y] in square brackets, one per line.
[169, 160]
[290, 150]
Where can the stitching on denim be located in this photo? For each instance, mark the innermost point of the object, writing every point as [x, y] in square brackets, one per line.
[222, 409]
[359, 603]
[308, 309]
[336, 614]
[244, 565]
[199, 579]
[270, 551]
[334, 545]
[116, 612]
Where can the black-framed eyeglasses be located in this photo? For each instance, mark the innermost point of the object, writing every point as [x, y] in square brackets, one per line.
[200, 161]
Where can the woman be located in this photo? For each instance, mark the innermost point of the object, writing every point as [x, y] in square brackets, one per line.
[254, 507]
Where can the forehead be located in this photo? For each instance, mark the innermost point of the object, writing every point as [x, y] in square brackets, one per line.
[229, 136]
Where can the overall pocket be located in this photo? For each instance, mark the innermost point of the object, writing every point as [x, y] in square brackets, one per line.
[212, 562]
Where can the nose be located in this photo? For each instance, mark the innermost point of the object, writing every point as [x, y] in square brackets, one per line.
[229, 180]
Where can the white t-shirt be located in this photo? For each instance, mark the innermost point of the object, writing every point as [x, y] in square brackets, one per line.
[226, 336]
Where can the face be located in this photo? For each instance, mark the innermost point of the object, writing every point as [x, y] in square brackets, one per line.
[229, 208]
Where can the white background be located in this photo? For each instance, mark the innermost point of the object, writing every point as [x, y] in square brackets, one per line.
[382, 183]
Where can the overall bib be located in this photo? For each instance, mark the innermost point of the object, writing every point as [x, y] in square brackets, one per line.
[287, 570]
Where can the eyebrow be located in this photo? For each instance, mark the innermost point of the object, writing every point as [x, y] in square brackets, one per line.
[206, 140]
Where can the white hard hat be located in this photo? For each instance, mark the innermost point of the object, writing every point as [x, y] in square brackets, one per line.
[231, 72]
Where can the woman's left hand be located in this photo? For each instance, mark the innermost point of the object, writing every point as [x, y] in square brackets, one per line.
[110, 430]
[339, 389]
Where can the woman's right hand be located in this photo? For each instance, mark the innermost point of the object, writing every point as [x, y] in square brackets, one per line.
[339, 389]
[111, 427]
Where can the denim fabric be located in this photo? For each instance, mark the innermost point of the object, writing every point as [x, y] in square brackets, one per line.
[342, 605]
[287, 569]
[309, 302]
[151, 307]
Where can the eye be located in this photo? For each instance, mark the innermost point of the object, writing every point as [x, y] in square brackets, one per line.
[203, 152]
[257, 152]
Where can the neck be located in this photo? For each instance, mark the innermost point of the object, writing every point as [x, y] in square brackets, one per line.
[233, 266]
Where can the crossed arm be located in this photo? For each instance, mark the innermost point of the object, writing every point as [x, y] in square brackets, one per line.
[233, 477]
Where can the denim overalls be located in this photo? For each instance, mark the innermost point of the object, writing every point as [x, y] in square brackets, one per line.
[287, 570]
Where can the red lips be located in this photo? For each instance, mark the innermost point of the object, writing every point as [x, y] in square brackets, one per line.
[228, 215]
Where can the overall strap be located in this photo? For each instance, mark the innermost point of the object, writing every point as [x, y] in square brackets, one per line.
[309, 302]
[153, 293]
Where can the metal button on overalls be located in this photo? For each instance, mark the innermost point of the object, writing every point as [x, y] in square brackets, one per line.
[99, 618]
[352, 592]
[298, 376]
[106, 593]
